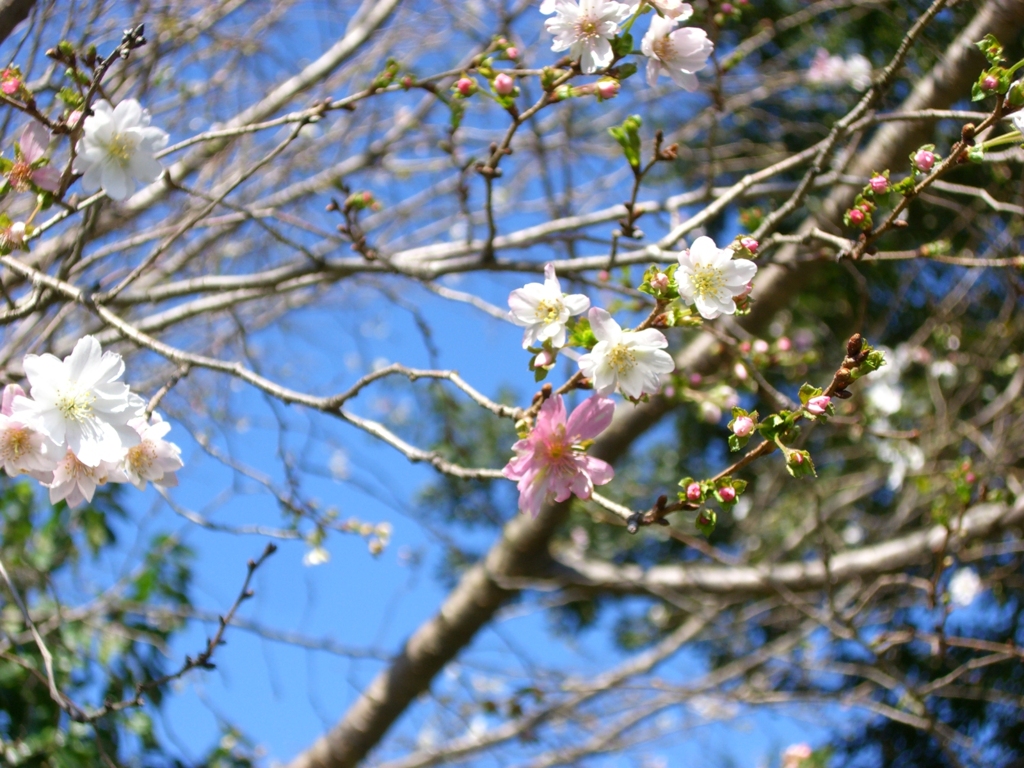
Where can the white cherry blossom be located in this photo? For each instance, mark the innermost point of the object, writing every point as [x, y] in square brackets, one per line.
[673, 9]
[154, 459]
[632, 361]
[76, 483]
[585, 29]
[680, 53]
[117, 149]
[23, 451]
[709, 277]
[78, 402]
[543, 309]
[1018, 121]
[964, 587]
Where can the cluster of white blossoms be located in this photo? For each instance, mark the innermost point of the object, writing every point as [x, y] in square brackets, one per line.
[586, 29]
[80, 427]
[632, 362]
[835, 70]
[118, 148]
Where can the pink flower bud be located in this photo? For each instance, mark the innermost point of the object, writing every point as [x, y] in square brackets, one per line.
[659, 282]
[740, 371]
[727, 8]
[989, 83]
[879, 184]
[504, 85]
[818, 405]
[696, 379]
[856, 216]
[543, 359]
[604, 276]
[969, 478]
[512, 52]
[750, 244]
[796, 458]
[608, 89]
[784, 344]
[761, 346]
[742, 426]
[728, 494]
[745, 347]
[465, 86]
[746, 291]
[10, 86]
[74, 117]
[924, 160]
[693, 492]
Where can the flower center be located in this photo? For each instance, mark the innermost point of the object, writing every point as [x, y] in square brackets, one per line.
[15, 444]
[20, 175]
[707, 280]
[75, 404]
[662, 48]
[121, 147]
[586, 28]
[548, 311]
[141, 457]
[621, 358]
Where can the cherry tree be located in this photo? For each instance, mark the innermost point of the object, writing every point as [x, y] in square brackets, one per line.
[708, 314]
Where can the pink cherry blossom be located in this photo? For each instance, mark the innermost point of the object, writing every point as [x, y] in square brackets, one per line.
[32, 144]
[22, 449]
[693, 492]
[550, 462]
[76, 483]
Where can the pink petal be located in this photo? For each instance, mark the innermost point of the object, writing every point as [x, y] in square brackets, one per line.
[590, 418]
[34, 141]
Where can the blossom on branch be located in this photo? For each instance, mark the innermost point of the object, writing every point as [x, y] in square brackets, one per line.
[543, 309]
[29, 166]
[709, 277]
[78, 402]
[673, 9]
[22, 449]
[154, 459]
[679, 53]
[76, 483]
[117, 149]
[585, 29]
[632, 361]
[551, 461]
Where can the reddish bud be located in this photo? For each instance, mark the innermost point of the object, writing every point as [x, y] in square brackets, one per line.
[728, 494]
[659, 282]
[727, 8]
[608, 89]
[10, 86]
[856, 216]
[784, 344]
[465, 86]
[693, 492]
[879, 184]
[750, 244]
[512, 52]
[990, 83]
[745, 347]
[504, 85]
[604, 276]
[924, 160]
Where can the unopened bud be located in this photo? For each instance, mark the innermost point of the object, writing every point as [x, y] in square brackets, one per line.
[855, 345]
[544, 359]
[727, 8]
[750, 244]
[504, 85]
[693, 492]
[659, 282]
[856, 216]
[784, 344]
[816, 406]
[512, 52]
[465, 86]
[728, 494]
[608, 89]
[924, 160]
[760, 346]
[879, 184]
[990, 83]
[742, 426]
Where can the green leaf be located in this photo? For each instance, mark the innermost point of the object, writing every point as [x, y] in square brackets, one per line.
[706, 521]
[580, 335]
[623, 45]
[807, 392]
